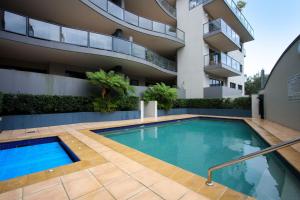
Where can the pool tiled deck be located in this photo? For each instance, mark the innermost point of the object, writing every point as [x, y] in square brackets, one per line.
[113, 171]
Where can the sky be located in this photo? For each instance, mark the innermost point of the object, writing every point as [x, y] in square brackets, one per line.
[276, 24]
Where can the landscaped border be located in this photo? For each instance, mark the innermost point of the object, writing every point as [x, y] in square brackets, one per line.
[88, 158]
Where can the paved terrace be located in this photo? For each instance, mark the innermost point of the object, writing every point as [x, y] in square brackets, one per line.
[109, 170]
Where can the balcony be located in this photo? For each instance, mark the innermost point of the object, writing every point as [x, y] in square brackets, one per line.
[221, 92]
[220, 36]
[46, 42]
[105, 17]
[138, 21]
[167, 7]
[228, 10]
[222, 65]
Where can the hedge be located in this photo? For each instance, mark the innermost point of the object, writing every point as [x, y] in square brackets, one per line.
[16, 104]
[237, 103]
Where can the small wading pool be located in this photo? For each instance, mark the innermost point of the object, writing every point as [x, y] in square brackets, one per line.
[25, 157]
[200, 143]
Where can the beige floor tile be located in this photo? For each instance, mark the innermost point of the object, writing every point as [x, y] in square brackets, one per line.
[130, 167]
[125, 188]
[146, 195]
[82, 185]
[28, 190]
[100, 194]
[148, 177]
[75, 176]
[53, 193]
[12, 195]
[169, 189]
[108, 173]
[193, 196]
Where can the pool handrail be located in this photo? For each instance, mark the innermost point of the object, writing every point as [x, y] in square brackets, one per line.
[270, 149]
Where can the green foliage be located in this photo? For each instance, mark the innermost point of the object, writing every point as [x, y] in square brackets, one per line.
[14, 104]
[237, 103]
[241, 4]
[105, 105]
[116, 104]
[252, 85]
[163, 94]
[128, 103]
[115, 89]
[110, 83]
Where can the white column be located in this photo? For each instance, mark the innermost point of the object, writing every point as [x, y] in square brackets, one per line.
[255, 106]
[142, 108]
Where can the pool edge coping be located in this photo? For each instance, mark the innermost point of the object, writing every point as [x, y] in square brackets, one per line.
[71, 142]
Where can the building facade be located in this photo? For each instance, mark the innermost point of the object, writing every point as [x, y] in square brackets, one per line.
[194, 45]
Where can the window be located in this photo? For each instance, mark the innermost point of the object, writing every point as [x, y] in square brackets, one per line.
[232, 85]
[240, 87]
[215, 82]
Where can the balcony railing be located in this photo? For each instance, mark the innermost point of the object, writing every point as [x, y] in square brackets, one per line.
[220, 25]
[43, 30]
[138, 21]
[224, 60]
[168, 7]
[233, 7]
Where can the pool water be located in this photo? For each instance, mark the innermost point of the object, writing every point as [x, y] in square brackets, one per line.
[197, 144]
[19, 161]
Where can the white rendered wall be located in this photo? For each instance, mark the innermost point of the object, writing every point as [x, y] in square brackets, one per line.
[190, 59]
[150, 109]
[238, 80]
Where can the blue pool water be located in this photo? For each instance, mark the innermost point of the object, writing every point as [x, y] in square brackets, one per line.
[198, 144]
[33, 158]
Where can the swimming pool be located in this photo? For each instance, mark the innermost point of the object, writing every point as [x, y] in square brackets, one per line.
[29, 156]
[197, 144]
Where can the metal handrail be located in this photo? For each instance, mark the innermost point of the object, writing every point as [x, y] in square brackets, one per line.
[249, 156]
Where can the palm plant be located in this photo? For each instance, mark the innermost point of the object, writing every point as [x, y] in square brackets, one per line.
[110, 81]
[163, 94]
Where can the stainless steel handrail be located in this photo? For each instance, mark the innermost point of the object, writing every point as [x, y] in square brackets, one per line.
[249, 156]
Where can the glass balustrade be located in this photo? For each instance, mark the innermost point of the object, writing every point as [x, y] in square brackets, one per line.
[115, 10]
[141, 22]
[15, 23]
[100, 41]
[224, 59]
[233, 7]
[73, 36]
[168, 7]
[131, 18]
[145, 23]
[43, 30]
[159, 27]
[220, 25]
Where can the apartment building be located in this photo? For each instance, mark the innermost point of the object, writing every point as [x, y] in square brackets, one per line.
[195, 45]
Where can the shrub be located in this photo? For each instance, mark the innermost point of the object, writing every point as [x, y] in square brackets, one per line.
[163, 94]
[128, 103]
[116, 104]
[237, 103]
[14, 104]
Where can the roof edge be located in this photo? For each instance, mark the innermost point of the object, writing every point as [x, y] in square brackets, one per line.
[285, 51]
